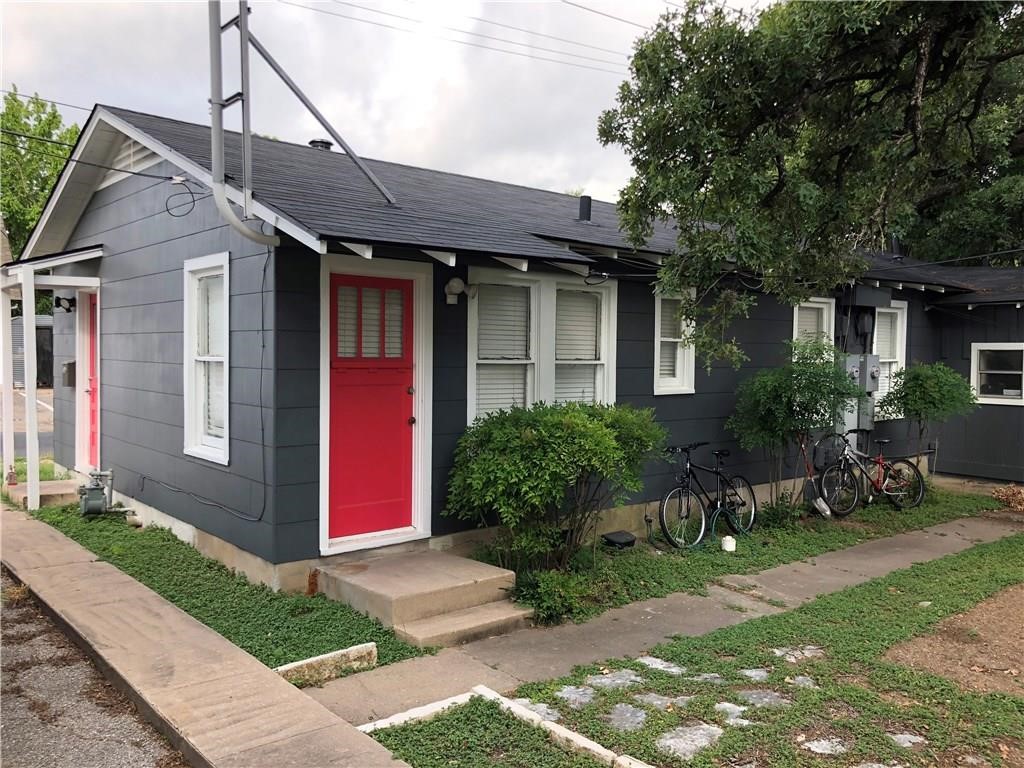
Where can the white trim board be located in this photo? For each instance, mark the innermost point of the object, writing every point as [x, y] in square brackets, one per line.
[422, 277]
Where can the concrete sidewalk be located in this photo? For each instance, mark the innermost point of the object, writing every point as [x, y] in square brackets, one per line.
[217, 704]
[503, 663]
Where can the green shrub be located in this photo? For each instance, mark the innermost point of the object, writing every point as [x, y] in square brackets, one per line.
[780, 513]
[926, 393]
[545, 473]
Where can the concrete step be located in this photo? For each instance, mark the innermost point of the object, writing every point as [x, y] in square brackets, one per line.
[463, 626]
[52, 493]
[402, 588]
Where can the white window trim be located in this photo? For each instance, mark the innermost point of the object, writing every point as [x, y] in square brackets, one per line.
[817, 302]
[217, 450]
[683, 383]
[543, 292]
[900, 308]
[977, 348]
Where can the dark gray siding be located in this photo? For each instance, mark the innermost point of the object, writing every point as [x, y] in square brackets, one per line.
[141, 352]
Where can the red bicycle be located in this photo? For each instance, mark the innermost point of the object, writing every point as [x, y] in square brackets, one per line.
[853, 474]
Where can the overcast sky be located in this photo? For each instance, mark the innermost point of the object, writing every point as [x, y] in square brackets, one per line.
[408, 96]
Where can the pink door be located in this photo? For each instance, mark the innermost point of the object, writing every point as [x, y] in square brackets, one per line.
[93, 385]
[371, 398]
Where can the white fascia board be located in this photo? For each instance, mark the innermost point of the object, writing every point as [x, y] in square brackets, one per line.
[66, 281]
[56, 261]
[303, 235]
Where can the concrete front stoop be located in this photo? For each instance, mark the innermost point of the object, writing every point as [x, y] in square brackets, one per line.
[52, 493]
[430, 598]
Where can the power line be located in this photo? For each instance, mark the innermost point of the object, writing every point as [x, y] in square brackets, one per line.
[602, 13]
[49, 101]
[452, 40]
[482, 20]
[36, 138]
[85, 162]
[479, 34]
[873, 270]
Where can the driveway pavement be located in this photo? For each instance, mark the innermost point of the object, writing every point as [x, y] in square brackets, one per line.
[58, 711]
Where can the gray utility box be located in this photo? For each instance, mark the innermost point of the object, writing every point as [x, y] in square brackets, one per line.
[864, 370]
[67, 374]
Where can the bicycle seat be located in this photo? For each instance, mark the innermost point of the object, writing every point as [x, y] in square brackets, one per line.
[886, 441]
[722, 452]
[858, 431]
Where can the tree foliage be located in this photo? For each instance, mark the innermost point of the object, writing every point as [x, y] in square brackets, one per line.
[778, 408]
[927, 393]
[786, 142]
[29, 167]
[546, 472]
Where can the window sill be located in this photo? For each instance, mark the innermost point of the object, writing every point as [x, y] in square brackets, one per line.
[1000, 401]
[207, 454]
[659, 391]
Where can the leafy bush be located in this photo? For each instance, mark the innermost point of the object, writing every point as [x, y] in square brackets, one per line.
[778, 408]
[926, 393]
[546, 472]
[780, 513]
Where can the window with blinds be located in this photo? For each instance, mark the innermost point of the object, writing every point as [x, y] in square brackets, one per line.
[890, 344]
[206, 357]
[673, 358]
[503, 347]
[814, 320]
[577, 345]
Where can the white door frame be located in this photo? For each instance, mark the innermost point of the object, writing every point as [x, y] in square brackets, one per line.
[422, 277]
[82, 380]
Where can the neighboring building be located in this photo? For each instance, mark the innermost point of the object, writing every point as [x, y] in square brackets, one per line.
[277, 405]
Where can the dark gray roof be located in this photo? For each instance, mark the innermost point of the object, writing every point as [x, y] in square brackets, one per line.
[327, 194]
[967, 285]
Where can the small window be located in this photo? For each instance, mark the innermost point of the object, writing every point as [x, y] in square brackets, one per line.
[997, 372]
[206, 357]
[577, 345]
[504, 366]
[814, 319]
[673, 358]
[890, 344]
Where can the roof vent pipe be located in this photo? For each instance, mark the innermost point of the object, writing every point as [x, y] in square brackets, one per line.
[585, 207]
[322, 144]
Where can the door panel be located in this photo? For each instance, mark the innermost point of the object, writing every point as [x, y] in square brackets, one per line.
[371, 401]
[93, 385]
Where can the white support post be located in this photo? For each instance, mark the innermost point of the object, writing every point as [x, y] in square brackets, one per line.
[28, 315]
[7, 379]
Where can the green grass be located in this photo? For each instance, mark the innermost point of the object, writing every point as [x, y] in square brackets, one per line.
[478, 734]
[275, 627]
[616, 578]
[47, 471]
[855, 627]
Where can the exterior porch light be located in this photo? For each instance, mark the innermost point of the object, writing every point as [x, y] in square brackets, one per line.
[65, 303]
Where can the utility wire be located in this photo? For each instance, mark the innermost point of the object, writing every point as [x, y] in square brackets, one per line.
[947, 261]
[602, 13]
[21, 95]
[36, 138]
[452, 40]
[480, 34]
[86, 162]
[482, 20]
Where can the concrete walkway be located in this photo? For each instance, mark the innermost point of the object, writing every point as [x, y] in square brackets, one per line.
[217, 704]
[503, 663]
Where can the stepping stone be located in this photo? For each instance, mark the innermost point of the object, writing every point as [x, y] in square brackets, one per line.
[796, 655]
[658, 701]
[767, 699]
[661, 665]
[688, 740]
[576, 696]
[620, 678]
[757, 674]
[626, 717]
[709, 677]
[802, 681]
[826, 746]
[732, 713]
[907, 740]
[546, 712]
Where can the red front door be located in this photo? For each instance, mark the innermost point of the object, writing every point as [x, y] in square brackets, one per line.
[93, 385]
[371, 396]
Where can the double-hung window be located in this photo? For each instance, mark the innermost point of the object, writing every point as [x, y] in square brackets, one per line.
[206, 357]
[536, 338]
[814, 320]
[673, 357]
[997, 372]
[890, 343]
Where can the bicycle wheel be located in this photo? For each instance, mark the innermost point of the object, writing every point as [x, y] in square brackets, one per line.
[682, 517]
[828, 449]
[904, 485]
[840, 489]
[742, 504]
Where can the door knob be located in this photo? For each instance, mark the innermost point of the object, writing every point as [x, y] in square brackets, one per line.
[412, 420]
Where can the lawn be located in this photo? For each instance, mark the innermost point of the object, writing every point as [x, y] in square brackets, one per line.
[860, 697]
[275, 627]
[611, 579]
[47, 471]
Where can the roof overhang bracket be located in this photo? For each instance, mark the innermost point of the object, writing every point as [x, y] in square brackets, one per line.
[577, 269]
[360, 249]
[445, 257]
[521, 264]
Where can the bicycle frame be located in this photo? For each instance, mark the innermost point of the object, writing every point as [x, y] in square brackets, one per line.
[854, 456]
[687, 474]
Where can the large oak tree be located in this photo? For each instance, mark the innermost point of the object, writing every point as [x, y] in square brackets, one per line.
[788, 141]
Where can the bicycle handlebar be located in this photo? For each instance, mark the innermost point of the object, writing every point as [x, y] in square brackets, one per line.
[685, 448]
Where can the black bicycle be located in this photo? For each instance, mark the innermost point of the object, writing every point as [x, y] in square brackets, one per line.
[684, 509]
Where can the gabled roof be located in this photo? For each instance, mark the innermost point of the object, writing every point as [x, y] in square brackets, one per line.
[966, 285]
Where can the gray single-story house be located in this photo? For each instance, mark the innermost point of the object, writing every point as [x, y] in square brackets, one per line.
[277, 405]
